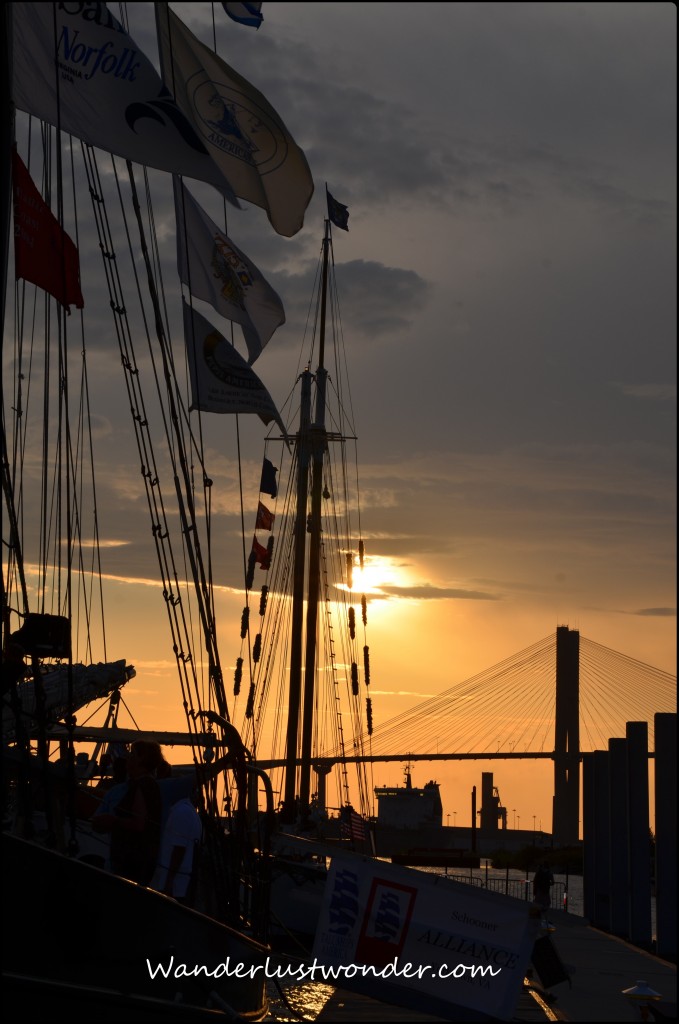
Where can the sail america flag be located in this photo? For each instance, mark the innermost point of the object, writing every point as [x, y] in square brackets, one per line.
[240, 129]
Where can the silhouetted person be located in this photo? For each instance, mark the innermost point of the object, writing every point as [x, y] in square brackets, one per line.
[135, 822]
[179, 846]
[14, 668]
[542, 882]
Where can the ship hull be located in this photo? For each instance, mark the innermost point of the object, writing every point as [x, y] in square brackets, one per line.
[75, 926]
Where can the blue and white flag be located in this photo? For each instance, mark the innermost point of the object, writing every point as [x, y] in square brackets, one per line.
[109, 95]
[221, 380]
[240, 129]
[337, 213]
[268, 483]
[215, 270]
[245, 14]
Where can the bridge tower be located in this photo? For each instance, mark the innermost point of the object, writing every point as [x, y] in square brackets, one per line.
[566, 805]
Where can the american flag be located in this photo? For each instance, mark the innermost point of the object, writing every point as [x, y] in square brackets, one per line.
[352, 825]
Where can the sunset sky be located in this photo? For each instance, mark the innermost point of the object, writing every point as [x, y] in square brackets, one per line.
[507, 289]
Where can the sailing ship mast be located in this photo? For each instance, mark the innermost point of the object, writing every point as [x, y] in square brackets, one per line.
[312, 441]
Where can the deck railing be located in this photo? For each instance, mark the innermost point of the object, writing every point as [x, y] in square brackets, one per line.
[519, 888]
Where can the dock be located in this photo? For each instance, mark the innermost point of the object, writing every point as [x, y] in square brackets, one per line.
[601, 967]
[348, 1007]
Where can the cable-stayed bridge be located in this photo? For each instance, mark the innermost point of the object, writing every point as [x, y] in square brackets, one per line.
[558, 699]
[510, 709]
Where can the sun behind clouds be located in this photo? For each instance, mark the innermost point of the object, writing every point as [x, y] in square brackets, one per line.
[377, 573]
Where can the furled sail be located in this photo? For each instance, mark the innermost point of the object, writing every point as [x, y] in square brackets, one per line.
[90, 682]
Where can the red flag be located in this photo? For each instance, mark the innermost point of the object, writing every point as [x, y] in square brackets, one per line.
[261, 554]
[264, 518]
[43, 252]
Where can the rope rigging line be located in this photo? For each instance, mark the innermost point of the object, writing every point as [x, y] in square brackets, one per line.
[189, 442]
[183, 490]
[337, 711]
[179, 595]
[67, 464]
[179, 629]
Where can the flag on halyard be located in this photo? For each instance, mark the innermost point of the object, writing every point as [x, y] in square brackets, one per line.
[241, 130]
[352, 825]
[110, 95]
[261, 554]
[43, 252]
[245, 14]
[221, 380]
[264, 519]
[268, 482]
[337, 213]
[215, 270]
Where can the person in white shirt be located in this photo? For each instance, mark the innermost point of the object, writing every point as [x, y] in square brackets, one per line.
[181, 836]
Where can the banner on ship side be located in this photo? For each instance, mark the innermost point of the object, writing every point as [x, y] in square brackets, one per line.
[423, 942]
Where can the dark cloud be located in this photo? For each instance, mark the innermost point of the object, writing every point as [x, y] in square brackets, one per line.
[510, 136]
[399, 547]
[375, 299]
[648, 392]
[428, 592]
[511, 249]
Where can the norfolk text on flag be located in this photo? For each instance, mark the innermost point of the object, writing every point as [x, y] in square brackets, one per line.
[43, 252]
[110, 95]
[242, 132]
[215, 270]
[221, 380]
[245, 14]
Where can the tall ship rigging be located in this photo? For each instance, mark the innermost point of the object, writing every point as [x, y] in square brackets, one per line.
[308, 704]
[82, 160]
[301, 706]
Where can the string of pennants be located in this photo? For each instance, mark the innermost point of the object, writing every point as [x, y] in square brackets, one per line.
[261, 555]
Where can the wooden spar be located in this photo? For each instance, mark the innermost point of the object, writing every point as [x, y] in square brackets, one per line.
[311, 447]
[319, 444]
[7, 129]
[295, 692]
